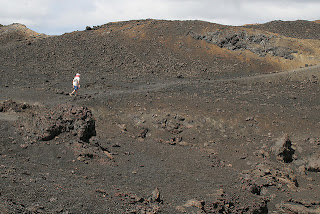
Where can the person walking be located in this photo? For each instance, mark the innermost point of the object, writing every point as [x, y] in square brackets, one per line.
[76, 84]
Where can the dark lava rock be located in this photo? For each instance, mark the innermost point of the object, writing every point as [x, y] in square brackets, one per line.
[45, 124]
[10, 105]
[228, 206]
[283, 149]
[155, 195]
[67, 118]
[241, 40]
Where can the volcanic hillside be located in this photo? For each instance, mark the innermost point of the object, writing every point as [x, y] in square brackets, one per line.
[163, 49]
[295, 29]
[17, 32]
[171, 117]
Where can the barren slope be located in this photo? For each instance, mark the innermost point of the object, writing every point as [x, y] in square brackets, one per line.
[172, 117]
[17, 32]
[160, 48]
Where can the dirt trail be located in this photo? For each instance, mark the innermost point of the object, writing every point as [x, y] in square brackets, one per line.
[296, 74]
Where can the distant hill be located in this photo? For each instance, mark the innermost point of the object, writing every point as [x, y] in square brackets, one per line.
[17, 32]
[163, 48]
[296, 29]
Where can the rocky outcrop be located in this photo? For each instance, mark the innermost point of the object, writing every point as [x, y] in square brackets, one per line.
[39, 123]
[259, 44]
[283, 149]
[173, 124]
[296, 208]
[141, 204]
[10, 105]
[66, 118]
[313, 163]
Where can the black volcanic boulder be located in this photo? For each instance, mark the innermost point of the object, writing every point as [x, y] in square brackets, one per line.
[65, 118]
[283, 149]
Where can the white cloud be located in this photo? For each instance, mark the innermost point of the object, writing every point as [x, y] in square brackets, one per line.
[28, 9]
[260, 11]
[27, 12]
[59, 16]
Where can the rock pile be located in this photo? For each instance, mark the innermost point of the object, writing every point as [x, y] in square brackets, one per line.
[173, 124]
[140, 204]
[298, 207]
[45, 124]
[10, 105]
[223, 204]
[66, 118]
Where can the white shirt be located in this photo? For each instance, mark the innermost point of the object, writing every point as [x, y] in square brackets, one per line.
[76, 81]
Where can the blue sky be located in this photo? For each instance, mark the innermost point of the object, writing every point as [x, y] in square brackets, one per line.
[55, 17]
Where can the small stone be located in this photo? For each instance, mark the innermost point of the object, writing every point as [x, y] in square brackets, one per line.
[155, 195]
[108, 154]
[53, 199]
[181, 209]
[194, 203]
[249, 118]
[313, 163]
[183, 143]
[302, 170]
[24, 146]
